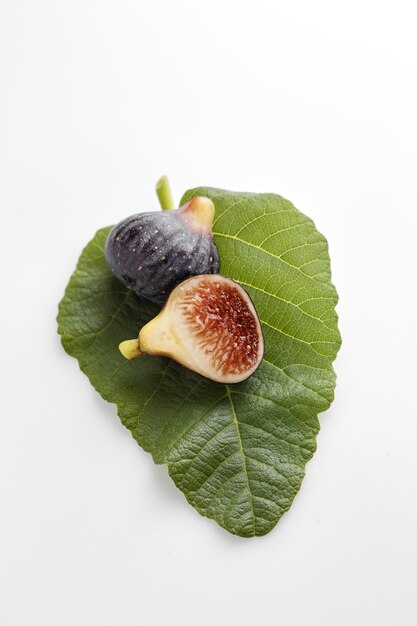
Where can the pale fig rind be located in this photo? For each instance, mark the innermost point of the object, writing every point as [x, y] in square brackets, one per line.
[151, 253]
[209, 325]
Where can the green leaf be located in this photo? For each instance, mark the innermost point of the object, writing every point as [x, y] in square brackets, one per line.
[237, 452]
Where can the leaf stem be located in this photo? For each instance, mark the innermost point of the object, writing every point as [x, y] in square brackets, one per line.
[164, 193]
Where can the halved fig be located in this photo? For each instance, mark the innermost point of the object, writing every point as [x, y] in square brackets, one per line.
[209, 325]
[151, 253]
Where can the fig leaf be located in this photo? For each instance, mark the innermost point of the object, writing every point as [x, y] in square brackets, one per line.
[237, 452]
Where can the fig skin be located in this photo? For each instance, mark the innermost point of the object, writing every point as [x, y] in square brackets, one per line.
[151, 253]
[209, 325]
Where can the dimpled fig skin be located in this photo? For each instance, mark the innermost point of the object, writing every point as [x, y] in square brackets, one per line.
[151, 253]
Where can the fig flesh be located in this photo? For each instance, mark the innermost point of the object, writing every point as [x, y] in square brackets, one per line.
[151, 253]
[209, 325]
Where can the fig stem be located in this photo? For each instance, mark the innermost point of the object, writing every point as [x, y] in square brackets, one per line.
[164, 193]
[130, 349]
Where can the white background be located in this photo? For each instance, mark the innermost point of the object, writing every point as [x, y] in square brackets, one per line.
[316, 101]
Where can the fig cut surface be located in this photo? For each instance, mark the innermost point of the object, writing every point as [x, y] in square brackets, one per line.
[209, 325]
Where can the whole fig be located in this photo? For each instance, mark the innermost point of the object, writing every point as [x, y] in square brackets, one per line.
[151, 253]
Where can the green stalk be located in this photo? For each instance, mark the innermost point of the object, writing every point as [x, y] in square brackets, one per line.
[164, 193]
